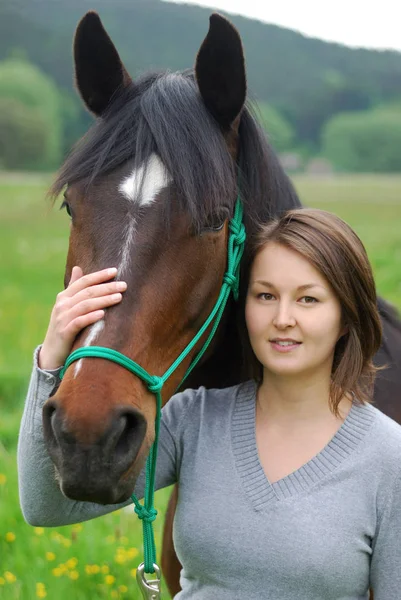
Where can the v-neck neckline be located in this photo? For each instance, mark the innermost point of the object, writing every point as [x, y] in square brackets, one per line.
[257, 486]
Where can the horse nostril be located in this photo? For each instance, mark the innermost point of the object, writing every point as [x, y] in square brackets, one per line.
[130, 427]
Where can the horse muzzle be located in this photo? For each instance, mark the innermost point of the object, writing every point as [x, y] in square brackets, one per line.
[95, 467]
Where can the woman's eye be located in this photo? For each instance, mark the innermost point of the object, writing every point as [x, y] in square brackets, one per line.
[308, 298]
[263, 296]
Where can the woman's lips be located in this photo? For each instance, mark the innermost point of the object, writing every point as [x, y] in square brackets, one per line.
[286, 348]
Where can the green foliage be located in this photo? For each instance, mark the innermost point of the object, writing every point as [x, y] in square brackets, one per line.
[334, 94]
[367, 141]
[306, 79]
[22, 135]
[278, 129]
[74, 121]
[24, 84]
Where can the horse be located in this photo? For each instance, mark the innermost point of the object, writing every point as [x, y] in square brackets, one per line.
[151, 189]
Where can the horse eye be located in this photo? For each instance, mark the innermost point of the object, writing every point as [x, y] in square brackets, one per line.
[67, 208]
[216, 222]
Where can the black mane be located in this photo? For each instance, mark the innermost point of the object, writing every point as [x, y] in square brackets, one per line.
[164, 113]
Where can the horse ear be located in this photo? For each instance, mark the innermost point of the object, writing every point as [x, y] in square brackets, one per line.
[220, 71]
[99, 71]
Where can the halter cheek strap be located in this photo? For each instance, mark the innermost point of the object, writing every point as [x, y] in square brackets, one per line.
[146, 512]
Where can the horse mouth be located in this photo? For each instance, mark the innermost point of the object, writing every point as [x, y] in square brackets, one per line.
[95, 494]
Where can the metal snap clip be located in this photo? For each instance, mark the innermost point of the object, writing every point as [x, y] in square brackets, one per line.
[150, 588]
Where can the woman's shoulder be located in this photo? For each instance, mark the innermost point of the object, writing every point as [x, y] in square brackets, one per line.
[202, 402]
[385, 437]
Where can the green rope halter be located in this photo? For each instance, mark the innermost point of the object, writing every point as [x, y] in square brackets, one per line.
[146, 512]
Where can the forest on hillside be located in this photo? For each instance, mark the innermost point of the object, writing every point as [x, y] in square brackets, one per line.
[317, 99]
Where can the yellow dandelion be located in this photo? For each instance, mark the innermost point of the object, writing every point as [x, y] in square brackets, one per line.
[41, 590]
[2, 581]
[77, 528]
[109, 579]
[39, 530]
[66, 542]
[120, 558]
[92, 569]
[133, 572]
[73, 575]
[104, 569]
[123, 589]
[3, 479]
[132, 553]
[57, 572]
[71, 563]
[50, 556]
[10, 577]
[10, 536]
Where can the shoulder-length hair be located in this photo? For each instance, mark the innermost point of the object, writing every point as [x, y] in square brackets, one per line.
[336, 251]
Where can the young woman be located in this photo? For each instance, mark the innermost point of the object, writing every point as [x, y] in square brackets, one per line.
[289, 484]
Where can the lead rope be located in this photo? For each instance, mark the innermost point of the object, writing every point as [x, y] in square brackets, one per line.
[147, 512]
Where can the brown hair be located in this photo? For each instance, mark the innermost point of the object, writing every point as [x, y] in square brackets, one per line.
[335, 250]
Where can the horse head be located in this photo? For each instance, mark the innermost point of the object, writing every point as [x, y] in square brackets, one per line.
[150, 189]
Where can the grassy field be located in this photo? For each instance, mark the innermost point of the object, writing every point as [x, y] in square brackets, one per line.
[98, 559]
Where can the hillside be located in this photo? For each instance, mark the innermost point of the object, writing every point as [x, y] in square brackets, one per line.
[306, 79]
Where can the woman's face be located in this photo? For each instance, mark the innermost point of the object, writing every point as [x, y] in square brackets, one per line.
[288, 298]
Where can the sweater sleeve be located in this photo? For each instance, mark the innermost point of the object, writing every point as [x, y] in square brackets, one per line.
[42, 502]
[385, 571]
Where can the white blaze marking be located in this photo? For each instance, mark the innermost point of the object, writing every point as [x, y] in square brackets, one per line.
[93, 332]
[141, 187]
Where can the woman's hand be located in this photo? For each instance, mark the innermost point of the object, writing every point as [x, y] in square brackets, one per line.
[79, 305]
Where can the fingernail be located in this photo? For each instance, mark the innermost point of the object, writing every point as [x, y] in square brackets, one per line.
[111, 271]
[121, 285]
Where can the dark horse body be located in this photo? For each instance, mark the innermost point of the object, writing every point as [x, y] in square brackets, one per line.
[151, 189]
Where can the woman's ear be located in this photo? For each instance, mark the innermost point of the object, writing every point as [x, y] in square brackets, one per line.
[344, 331]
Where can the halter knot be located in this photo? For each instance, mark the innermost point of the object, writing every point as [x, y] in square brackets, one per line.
[238, 230]
[156, 384]
[146, 515]
[230, 280]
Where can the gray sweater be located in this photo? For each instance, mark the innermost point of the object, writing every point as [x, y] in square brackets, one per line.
[327, 531]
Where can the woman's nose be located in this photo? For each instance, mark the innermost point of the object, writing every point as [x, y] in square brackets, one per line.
[284, 316]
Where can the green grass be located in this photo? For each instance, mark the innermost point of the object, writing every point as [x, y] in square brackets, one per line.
[33, 247]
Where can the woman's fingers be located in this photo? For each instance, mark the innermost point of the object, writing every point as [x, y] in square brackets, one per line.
[98, 291]
[76, 273]
[82, 321]
[91, 305]
[88, 280]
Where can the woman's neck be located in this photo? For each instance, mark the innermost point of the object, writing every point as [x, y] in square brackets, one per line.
[288, 401]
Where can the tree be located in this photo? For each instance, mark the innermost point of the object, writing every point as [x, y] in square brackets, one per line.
[278, 129]
[22, 135]
[367, 141]
[24, 84]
